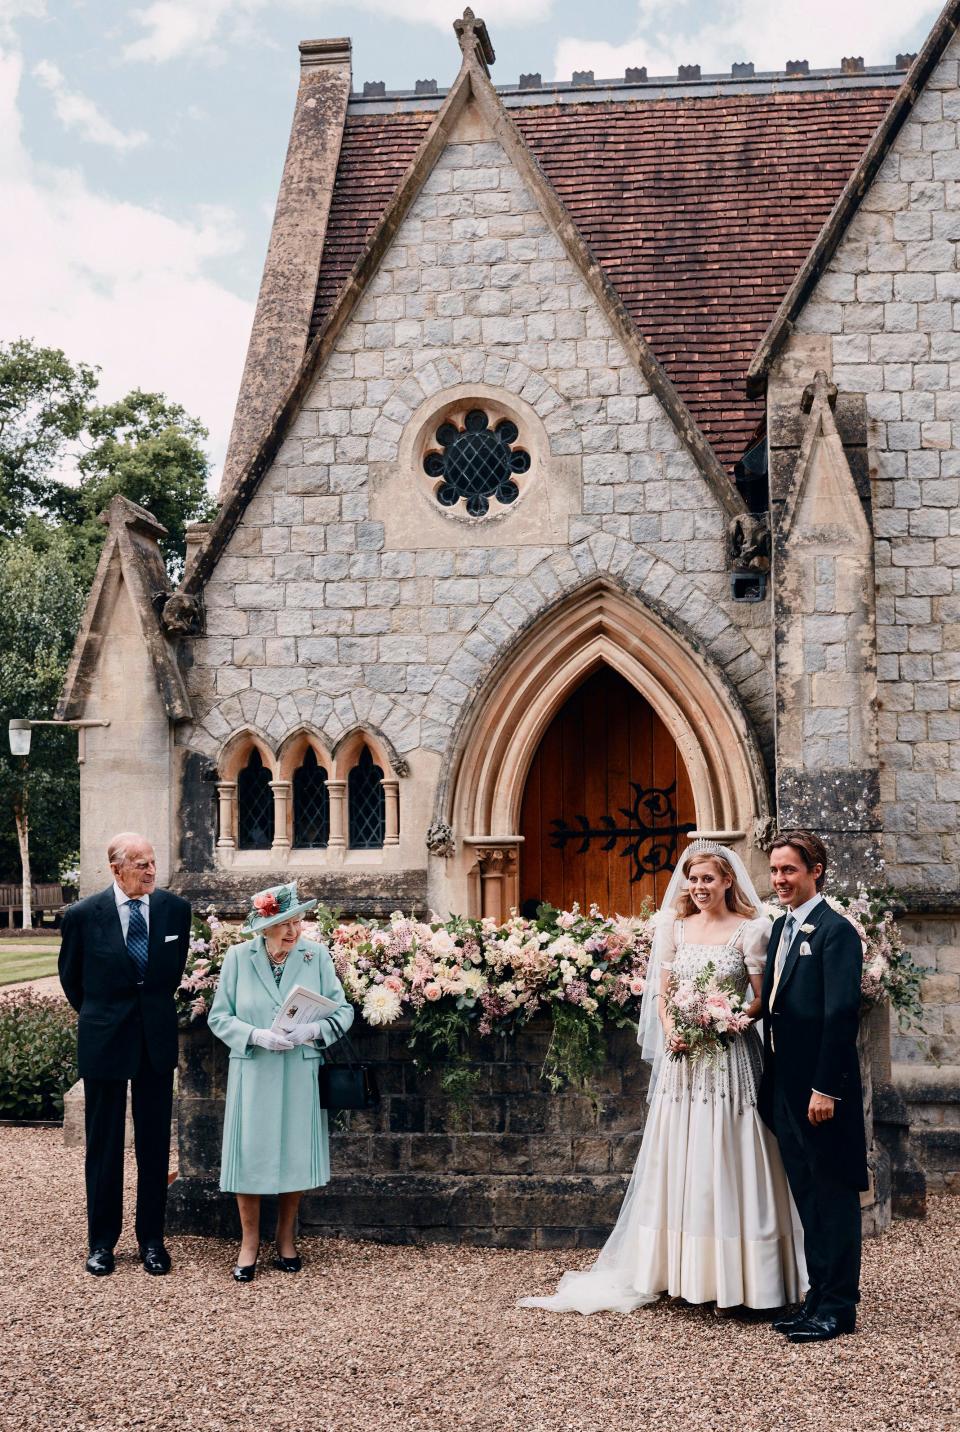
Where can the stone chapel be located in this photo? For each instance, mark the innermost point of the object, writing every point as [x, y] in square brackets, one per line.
[594, 484]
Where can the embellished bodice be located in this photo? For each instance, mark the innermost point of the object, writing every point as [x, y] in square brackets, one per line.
[733, 1075]
[727, 960]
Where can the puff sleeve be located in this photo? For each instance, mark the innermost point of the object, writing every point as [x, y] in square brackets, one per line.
[756, 938]
[668, 939]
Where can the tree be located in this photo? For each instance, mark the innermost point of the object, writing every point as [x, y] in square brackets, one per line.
[43, 405]
[40, 605]
[144, 446]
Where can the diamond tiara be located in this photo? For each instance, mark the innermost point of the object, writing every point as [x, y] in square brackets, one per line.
[703, 847]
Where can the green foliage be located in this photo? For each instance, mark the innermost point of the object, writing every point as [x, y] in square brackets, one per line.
[43, 405]
[40, 605]
[144, 447]
[439, 1042]
[577, 1049]
[151, 451]
[38, 1055]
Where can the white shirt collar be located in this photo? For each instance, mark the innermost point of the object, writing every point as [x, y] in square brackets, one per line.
[122, 897]
[802, 911]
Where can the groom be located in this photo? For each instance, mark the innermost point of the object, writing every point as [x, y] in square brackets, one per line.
[810, 1093]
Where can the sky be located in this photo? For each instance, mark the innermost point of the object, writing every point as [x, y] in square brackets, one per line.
[141, 146]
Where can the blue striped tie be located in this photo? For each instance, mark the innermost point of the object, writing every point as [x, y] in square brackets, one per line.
[137, 942]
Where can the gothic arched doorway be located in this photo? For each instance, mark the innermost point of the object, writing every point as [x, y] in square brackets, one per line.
[607, 803]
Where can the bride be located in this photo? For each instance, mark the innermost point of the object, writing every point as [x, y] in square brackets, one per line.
[707, 1215]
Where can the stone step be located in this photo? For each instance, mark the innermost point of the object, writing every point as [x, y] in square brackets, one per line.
[932, 1095]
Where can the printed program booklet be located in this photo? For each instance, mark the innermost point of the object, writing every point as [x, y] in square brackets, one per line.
[302, 1006]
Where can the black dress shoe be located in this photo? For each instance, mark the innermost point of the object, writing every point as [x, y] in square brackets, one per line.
[155, 1259]
[799, 1315]
[100, 1262]
[288, 1265]
[821, 1327]
[245, 1272]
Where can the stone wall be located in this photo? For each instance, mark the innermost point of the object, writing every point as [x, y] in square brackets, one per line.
[884, 322]
[520, 1167]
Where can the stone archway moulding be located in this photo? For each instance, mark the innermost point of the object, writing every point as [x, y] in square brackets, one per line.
[601, 625]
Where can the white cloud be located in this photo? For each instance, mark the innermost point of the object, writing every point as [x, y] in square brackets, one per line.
[769, 34]
[118, 284]
[13, 10]
[76, 111]
[172, 28]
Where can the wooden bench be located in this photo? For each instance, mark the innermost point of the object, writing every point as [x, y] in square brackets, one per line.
[45, 901]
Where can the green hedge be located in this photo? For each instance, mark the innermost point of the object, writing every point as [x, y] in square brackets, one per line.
[38, 1055]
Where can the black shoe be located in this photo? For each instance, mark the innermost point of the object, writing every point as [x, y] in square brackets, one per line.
[288, 1265]
[100, 1262]
[155, 1259]
[246, 1272]
[799, 1315]
[821, 1327]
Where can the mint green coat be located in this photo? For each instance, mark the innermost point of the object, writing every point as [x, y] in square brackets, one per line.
[274, 1131]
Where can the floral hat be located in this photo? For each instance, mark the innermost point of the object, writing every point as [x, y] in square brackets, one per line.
[273, 906]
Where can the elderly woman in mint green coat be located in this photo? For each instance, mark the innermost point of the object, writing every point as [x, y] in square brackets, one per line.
[274, 1133]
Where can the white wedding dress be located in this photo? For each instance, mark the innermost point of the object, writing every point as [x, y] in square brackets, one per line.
[708, 1215]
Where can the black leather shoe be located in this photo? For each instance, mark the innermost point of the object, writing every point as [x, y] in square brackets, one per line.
[155, 1259]
[288, 1265]
[245, 1272]
[100, 1262]
[806, 1310]
[822, 1327]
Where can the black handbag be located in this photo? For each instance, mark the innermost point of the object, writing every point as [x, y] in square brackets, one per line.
[352, 1085]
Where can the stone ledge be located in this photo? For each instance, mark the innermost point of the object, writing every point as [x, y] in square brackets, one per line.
[928, 1083]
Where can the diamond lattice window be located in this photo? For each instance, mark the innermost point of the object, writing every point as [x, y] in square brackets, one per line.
[311, 805]
[476, 463]
[366, 801]
[254, 806]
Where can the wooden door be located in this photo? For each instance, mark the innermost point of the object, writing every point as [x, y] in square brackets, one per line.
[607, 803]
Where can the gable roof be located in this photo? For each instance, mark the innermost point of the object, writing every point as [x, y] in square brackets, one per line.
[473, 82]
[698, 207]
[131, 547]
[850, 199]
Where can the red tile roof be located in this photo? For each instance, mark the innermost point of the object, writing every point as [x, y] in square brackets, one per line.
[700, 210]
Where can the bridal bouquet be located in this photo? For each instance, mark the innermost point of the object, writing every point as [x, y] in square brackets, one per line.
[706, 1013]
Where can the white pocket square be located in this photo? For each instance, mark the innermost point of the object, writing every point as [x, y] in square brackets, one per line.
[168, 938]
[805, 948]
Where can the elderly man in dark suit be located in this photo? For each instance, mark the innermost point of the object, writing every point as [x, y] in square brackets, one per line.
[121, 959]
[810, 1093]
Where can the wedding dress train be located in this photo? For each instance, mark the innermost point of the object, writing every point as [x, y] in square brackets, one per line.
[707, 1215]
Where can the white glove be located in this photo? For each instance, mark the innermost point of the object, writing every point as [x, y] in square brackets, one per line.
[276, 1043]
[304, 1034]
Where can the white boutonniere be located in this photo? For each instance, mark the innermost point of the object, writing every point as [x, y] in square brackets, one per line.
[807, 929]
[805, 948]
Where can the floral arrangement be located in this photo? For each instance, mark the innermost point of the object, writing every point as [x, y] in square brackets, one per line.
[706, 1014]
[452, 976]
[584, 970]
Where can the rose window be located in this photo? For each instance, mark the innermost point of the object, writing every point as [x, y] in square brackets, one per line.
[476, 462]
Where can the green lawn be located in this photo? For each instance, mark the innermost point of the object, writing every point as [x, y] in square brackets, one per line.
[29, 959]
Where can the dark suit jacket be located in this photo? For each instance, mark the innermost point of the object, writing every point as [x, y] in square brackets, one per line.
[119, 1018]
[814, 1024]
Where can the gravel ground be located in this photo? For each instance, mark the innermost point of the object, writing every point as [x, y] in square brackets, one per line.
[368, 1339]
[49, 984]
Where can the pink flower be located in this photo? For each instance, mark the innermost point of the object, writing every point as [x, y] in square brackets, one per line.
[266, 904]
[566, 920]
[432, 991]
[596, 975]
[637, 987]
[393, 983]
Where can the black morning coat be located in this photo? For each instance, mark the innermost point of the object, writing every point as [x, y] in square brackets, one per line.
[814, 1024]
[118, 1017]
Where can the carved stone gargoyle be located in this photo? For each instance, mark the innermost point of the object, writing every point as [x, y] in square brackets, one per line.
[182, 615]
[749, 542]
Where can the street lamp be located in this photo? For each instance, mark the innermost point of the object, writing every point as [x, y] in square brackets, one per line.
[19, 731]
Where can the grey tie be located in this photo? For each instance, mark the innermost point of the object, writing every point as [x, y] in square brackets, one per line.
[786, 940]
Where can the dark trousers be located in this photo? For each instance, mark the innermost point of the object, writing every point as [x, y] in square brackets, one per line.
[105, 1102]
[829, 1212]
